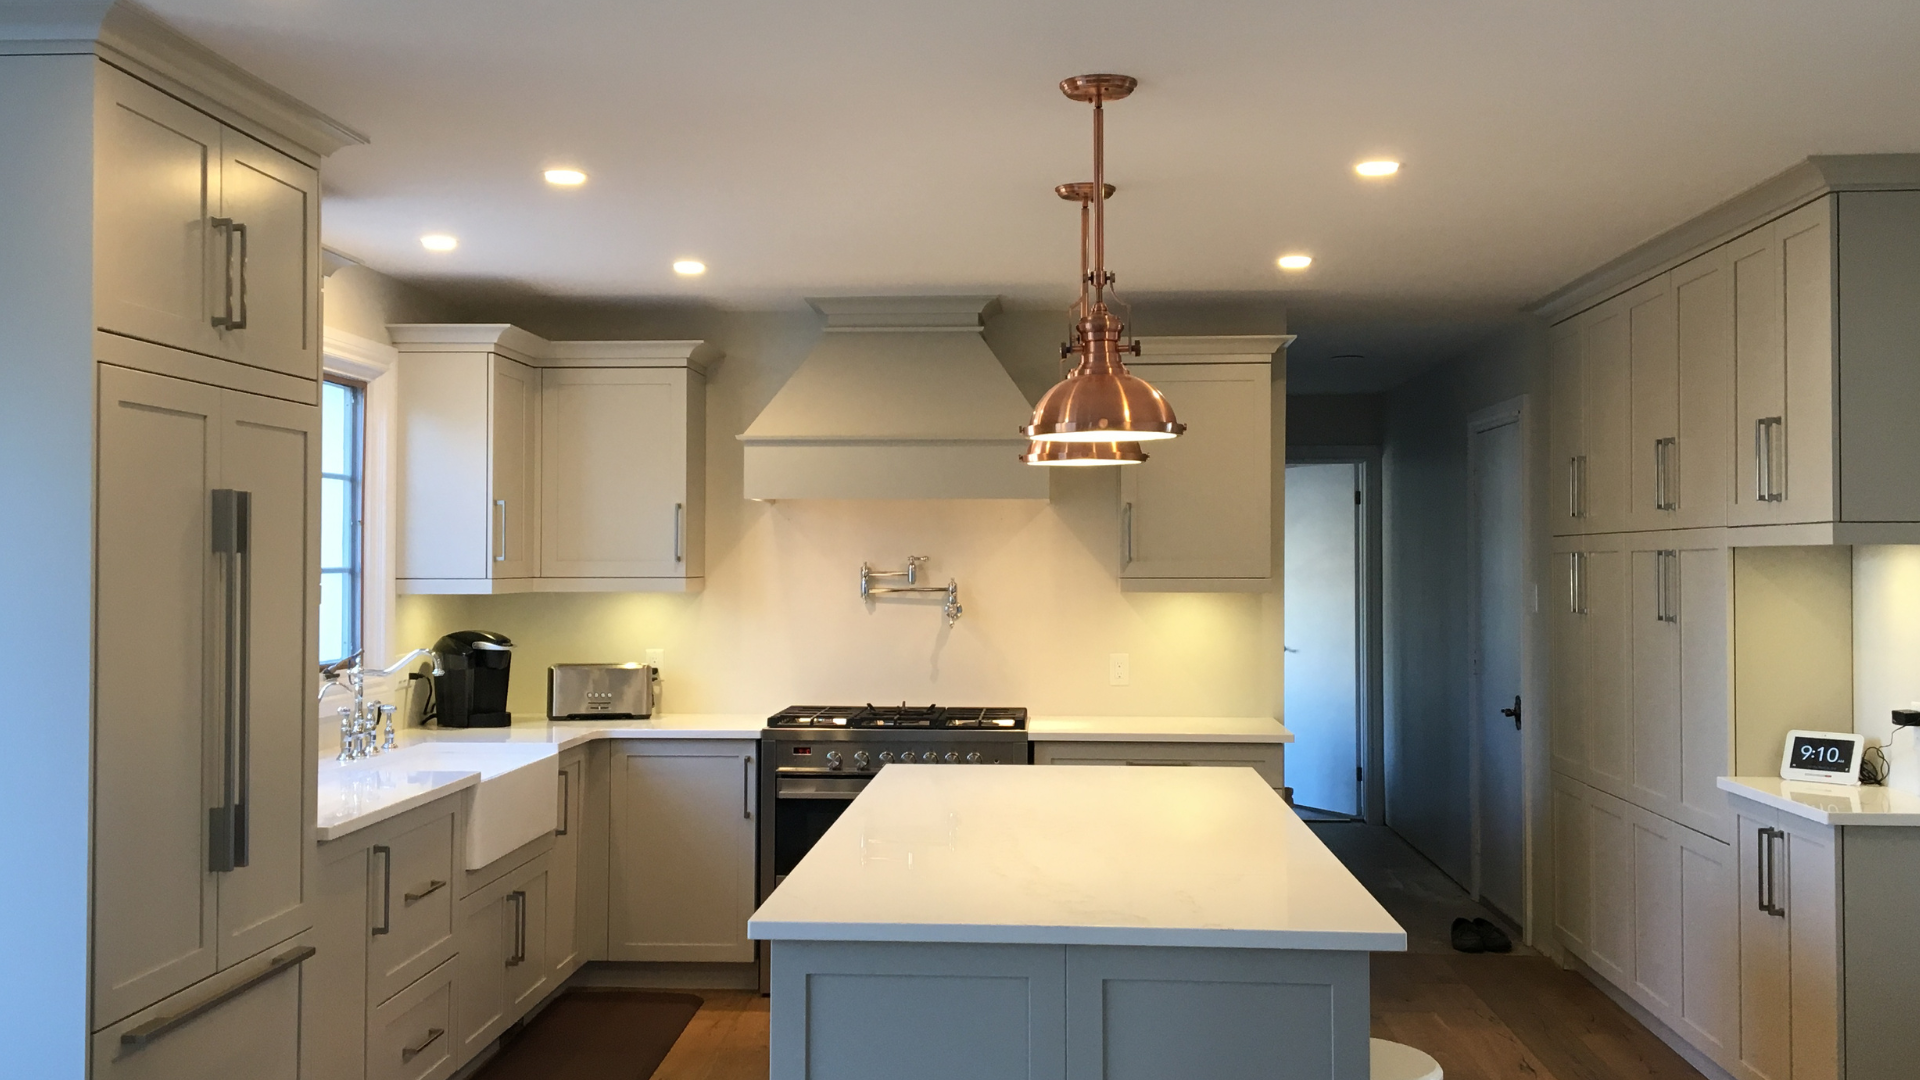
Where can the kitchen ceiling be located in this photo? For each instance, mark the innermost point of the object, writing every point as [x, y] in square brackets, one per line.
[858, 146]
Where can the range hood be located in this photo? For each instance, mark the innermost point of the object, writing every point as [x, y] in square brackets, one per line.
[901, 399]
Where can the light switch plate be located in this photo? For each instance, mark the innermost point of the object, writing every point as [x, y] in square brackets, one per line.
[1119, 669]
[656, 658]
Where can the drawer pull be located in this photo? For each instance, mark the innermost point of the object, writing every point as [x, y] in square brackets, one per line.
[432, 887]
[408, 1053]
[161, 1025]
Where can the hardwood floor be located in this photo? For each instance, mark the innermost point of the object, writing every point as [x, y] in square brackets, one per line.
[1515, 1017]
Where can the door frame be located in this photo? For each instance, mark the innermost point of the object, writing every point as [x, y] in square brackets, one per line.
[1536, 796]
[1370, 673]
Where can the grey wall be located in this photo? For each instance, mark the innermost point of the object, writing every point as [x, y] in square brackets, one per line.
[1428, 597]
[46, 556]
[1336, 419]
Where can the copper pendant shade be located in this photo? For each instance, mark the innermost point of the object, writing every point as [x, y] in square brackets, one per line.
[1099, 404]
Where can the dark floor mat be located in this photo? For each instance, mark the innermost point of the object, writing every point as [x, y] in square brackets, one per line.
[595, 1034]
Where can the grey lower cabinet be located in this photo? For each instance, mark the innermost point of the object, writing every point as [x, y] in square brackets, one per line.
[1267, 759]
[681, 849]
[1790, 946]
[503, 970]
[1054, 1012]
[565, 948]
[244, 1021]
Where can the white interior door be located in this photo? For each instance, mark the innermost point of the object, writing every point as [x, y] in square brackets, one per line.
[1322, 621]
[1499, 806]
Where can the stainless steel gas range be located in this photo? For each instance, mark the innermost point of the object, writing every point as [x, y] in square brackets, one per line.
[814, 759]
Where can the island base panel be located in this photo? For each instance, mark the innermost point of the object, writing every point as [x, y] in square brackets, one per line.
[866, 1010]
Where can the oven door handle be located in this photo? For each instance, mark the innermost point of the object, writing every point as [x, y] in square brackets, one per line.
[841, 788]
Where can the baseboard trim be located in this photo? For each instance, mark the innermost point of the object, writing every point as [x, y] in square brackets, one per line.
[667, 975]
[1708, 1067]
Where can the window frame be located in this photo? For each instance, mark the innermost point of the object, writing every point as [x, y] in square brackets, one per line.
[356, 546]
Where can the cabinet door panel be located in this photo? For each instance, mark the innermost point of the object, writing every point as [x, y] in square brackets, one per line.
[1611, 945]
[1608, 365]
[255, 1034]
[1609, 666]
[1813, 930]
[271, 449]
[1703, 313]
[1656, 678]
[1658, 933]
[1705, 689]
[1806, 271]
[1710, 947]
[1572, 866]
[486, 937]
[1569, 669]
[529, 970]
[1655, 423]
[413, 899]
[1200, 506]
[563, 875]
[681, 881]
[1766, 1049]
[614, 472]
[513, 440]
[1760, 365]
[157, 184]
[446, 519]
[1566, 387]
[156, 705]
[275, 270]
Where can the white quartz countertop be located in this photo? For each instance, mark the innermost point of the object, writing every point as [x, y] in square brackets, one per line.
[1096, 855]
[1223, 729]
[356, 794]
[1828, 804]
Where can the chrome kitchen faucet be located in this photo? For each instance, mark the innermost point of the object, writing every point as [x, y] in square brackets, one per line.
[360, 722]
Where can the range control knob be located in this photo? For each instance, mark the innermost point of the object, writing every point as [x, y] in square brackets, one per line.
[928, 755]
[973, 758]
[833, 759]
[886, 757]
[860, 760]
[952, 756]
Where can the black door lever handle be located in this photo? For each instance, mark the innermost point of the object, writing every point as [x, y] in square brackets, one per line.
[1513, 713]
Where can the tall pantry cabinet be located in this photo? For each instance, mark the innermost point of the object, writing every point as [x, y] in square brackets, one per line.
[1733, 384]
[197, 257]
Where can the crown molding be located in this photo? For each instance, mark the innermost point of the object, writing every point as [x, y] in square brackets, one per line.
[356, 357]
[535, 351]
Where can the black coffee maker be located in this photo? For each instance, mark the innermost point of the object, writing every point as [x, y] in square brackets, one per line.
[473, 690]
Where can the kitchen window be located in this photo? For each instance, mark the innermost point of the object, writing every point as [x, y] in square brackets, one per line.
[342, 459]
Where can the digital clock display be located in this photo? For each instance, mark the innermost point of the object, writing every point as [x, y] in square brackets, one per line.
[1822, 755]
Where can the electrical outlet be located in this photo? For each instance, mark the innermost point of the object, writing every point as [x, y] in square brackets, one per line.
[1119, 669]
[656, 658]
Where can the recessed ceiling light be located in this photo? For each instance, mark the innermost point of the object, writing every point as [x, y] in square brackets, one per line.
[566, 177]
[1295, 262]
[689, 267]
[1377, 168]
[439, 242]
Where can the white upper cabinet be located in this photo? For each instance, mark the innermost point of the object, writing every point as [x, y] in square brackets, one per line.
[535, 466]
[1197, 515]
[1759, 382]
[206, 239]
[622, 473]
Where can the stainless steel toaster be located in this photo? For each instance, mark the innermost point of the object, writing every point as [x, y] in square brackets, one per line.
[601, 691]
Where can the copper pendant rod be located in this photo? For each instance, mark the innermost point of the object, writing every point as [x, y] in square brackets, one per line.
[1100, 199]
[1085, 210]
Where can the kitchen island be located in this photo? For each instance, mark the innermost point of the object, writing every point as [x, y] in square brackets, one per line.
[1046, 923]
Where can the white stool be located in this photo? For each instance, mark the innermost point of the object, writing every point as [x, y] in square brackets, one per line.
[1398, 1061]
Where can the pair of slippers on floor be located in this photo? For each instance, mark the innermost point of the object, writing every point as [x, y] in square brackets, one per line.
[1480, 935]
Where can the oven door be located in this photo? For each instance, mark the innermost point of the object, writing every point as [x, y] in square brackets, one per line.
[805, 806]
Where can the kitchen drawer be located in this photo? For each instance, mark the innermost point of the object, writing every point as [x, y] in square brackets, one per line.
[245, 1021]
[1264, 758]
[411, 1036]
[412, 901]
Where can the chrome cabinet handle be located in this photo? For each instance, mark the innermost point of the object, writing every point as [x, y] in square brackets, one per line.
[1577, 480]
[161, 1025]
[746, 787]
[679, 532]
[1577, 583]
[500, 530]
[412, 898]
[408, 1053]
[519, 898]
[1766, 448]
[1766, 867]
[239, 283]
[566, 803]
[223, 319]
[227, 823]
[1126, 535]
[1663, 485]
[1666, 565]
[386, 890]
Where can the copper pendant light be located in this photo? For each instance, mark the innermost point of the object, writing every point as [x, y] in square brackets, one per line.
[1057, 452]
[1100, 401]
